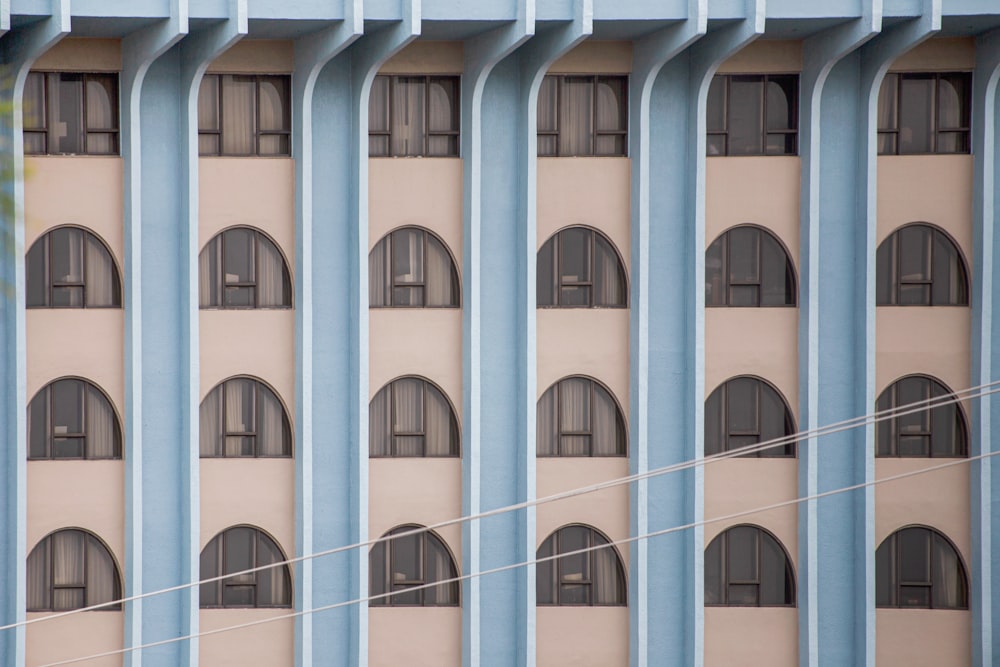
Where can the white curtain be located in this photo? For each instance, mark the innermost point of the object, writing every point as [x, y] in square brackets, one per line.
[272, 440]
[273, 289]
[101, 106]
[39, 582]
[611, 116]
[379, 427]
[100, 420]
[948, 580]
[609, 288]
[408, 116]
[210, 428]
[440, 568]
[438, 426]
[208, 274]
[576, 116]
[408, 414]
[239, 415]
[608, 585]
[102, 581]
[68, 569]
[238, 123]
[606, 439]
[442, 115]
[99, 278]
[273, 585]
[439, 283]
[66, 255]
[574, 408]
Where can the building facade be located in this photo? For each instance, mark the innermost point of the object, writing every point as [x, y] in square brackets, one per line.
[517, 248]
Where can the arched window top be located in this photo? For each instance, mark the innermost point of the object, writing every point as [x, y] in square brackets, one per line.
[243, 548]
[412, 417]
[578, 416]
[939, 431]
[72, 418]
[746, 566]
[579, 267]
[243, 417]
[409, 562]
[241, 268]
[747, 266]
[70, 267]
[591, 578]
[920, 265]
[918, 567]
[744, 411]
[411, 267]
[70, 569]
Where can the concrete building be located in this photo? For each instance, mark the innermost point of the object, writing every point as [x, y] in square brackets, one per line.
[517, 247]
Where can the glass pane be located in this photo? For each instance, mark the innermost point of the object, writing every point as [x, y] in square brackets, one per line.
[38, 431]
[743, 594]
[574, 255]
[239, 125]
[441, 282]
[949, 579]
[33, 104]
[916, 113]
[408, 256]
[574, 296]
[914, 555]
[439, 568]
[887, 105]
[274, 288]
[237, 595]
[66, 255]
[885, 273]
[65, 124]
[408, 406]
[410, 445]
[715, 285]
[67, 407]
[545, 573]
[548, 145]
[609, 284]
[777, 285]
[67, 297]
[442, 93]
[211, 593]
[101, 277]
[378, 145]
[102, 143]
[576, 122]
[408, 123]
[547, 424]
[773, 422]
[783, 143]
[68, 558]
[949, 274]
[716, 108]
[67, 598]
[574, 405]
[274, 97]
[208, 103]
[574, 570]
[745, 115]
[953, 142]
[716, 144]
[742, 561]
[548, 106]
[408, 296]
[377, 573]
[68, 448]
[947, 432]
[238, 256]
[545, 273]
[442, 146]
[774, 584]
[744, 253]
[743, 396]
[238, 554]
[885, 575]
[575, 445]
[275, 144]
[612, 113]
[887, 143]
[240, 445]
[208, 144]
[953, 96]
[714, 423]
[34, 143]
[915, 596]
[914, 253]
[782, 94]
[102, 102]
[378, 105]
[713, 573]
[407, 560]
[610, 144]
[273, 585]
[36, 273]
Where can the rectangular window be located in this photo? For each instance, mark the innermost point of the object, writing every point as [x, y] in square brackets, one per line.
[244, 114]
[923, 113]
[583, 115]
[411, 116]
[71, 113]
[753, 114]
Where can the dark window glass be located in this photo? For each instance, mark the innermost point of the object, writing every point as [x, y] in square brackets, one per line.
[411, 116]
[591, 578]
[919, 568]
[412, 417]
[583, 115]
[72, 419]
[71, 268]
[244, 115]
[753, 114]
[746, 411]
[579, 417]
[412, 268]
[934, 432]
[401, 564]
[242, 417]
[919, 265]
[244, 548]
[747, 567]
[71, 114]
[748, 267]
[580, 268]
[924, 112]
[242, 268]
[71, 569]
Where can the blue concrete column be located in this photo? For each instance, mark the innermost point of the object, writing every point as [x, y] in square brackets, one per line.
[667, 329]
[499, 403]
[18, 50]
[332, 342]
[482, 54]
[985, 474]
[161, 453]
[312, 53]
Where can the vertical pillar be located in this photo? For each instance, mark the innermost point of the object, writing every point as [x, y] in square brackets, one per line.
[18, 50]
[312, 53]
[985, 474]
[332, 346]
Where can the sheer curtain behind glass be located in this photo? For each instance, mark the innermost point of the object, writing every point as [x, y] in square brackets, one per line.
[71, 569]
[243, 417]
[239, 107]
[411, 268]
[410, 417]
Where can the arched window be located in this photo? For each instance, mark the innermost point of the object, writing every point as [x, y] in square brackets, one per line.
[403, 563]
[72, 419]
[242, 417]
[747, 567]
[580, 268]
[935, 432]
[747, 266]
[70, 569]
[244, 548]
[412, 268]
[70, 267]
[591, 578]
[746, 411]
[919, 265]
[919, 567]
[577, 416]
[412, 417]
[242, 268]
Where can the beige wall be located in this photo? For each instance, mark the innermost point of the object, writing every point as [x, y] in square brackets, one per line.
[82, 54]
[414, 636]
[76, 636]
[415, 341]
[256, 56]
[752, 636]
[582, 636]
[595, 57]
[923, 637]
[584, 341]
[928, 340]
[427, 57]
[265, 645]
[765, 56]
[941, 54]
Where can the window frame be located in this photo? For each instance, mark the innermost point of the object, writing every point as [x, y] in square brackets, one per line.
[897, 283]
[51, 284]
[764, 132]
[620, 419]
[896, 583]
[258, 133]
[895, 433]
[556, 558]
[427, 133]
[593, 132]
[790, 449]
[936, 129]
[50, 435]
[116, 592]
[725, 582]
[557, 282]
[393, 589]
[221, 271]
[114, 132]
[762, 232]
[259, 386]
[389, 387]
[392, 284]
[221, 585]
